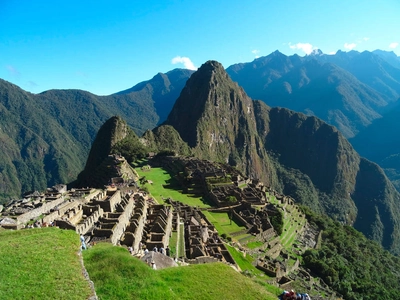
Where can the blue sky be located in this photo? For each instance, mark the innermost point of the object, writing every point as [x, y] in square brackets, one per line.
[108, 46]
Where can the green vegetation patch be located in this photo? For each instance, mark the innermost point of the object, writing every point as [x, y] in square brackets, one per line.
[164, 186]
[223, 224]
[173, 240]
[41, 263]
[254, 245]
[350, 263]
[244, 262]
[117, 275]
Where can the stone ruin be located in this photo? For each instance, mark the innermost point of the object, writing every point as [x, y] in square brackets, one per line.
[202, 243]
[158, 228]
[216, 181]
[134, 231]
[126, 215]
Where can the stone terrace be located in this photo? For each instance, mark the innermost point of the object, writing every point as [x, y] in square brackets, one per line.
[202, 242]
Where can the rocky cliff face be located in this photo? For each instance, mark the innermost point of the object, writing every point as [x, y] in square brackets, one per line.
[315, 163]
[296, 154]
[111, 132]
[216, 118]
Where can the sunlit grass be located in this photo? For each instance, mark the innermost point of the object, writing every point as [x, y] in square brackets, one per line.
[41, 263]
[223, 224]
[253, 245]
[117, 275]
[164, 186]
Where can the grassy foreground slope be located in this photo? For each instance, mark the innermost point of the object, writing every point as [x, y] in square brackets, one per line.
[41, 263]
[117, 275]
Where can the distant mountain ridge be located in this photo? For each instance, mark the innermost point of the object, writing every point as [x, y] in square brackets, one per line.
[377, 69]
[163, 89]
[347, 90]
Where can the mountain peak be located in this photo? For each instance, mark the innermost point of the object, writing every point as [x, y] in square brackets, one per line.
[316, 52]
[211, 65]
[110, 133]
[209, 94]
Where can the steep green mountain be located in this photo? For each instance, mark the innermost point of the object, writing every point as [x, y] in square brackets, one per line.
[312, 87]
[298, 155]
[36, 150]
[114, 137]
[216, 118]
[45, 138]
[165, 138]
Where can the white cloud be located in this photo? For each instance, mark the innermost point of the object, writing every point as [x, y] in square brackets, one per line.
[185, 61]
[255, 52]
[393, 45]
[350, 46]
[366, 38]
[307, 48]
[332, 53]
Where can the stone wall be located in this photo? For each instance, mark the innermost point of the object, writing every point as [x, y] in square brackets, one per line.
[60, 211]
[123, 220]
[75, 215]
[109, 200]
[202, 260]
[134, 231]
[34, 213]
[93, 214]
[266, 235]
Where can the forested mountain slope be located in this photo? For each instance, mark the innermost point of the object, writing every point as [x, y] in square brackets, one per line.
[45, 138]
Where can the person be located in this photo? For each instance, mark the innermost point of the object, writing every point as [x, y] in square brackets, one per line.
[286, 295]
[162, 250]
[167, 251]
[303, 296]
[83, 242]
[130, 249]
[153, 265]
[155, 249]
[146, 251]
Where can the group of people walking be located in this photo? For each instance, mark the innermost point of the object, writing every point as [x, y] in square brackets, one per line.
[165, 251]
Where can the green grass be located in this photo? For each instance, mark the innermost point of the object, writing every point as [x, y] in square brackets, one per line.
[223, 224]
[181, 244]
[117, 275]
[41, 263]
[173, 243]
[162, 178]
[272, 199]
[253, 245]
[245, 263]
